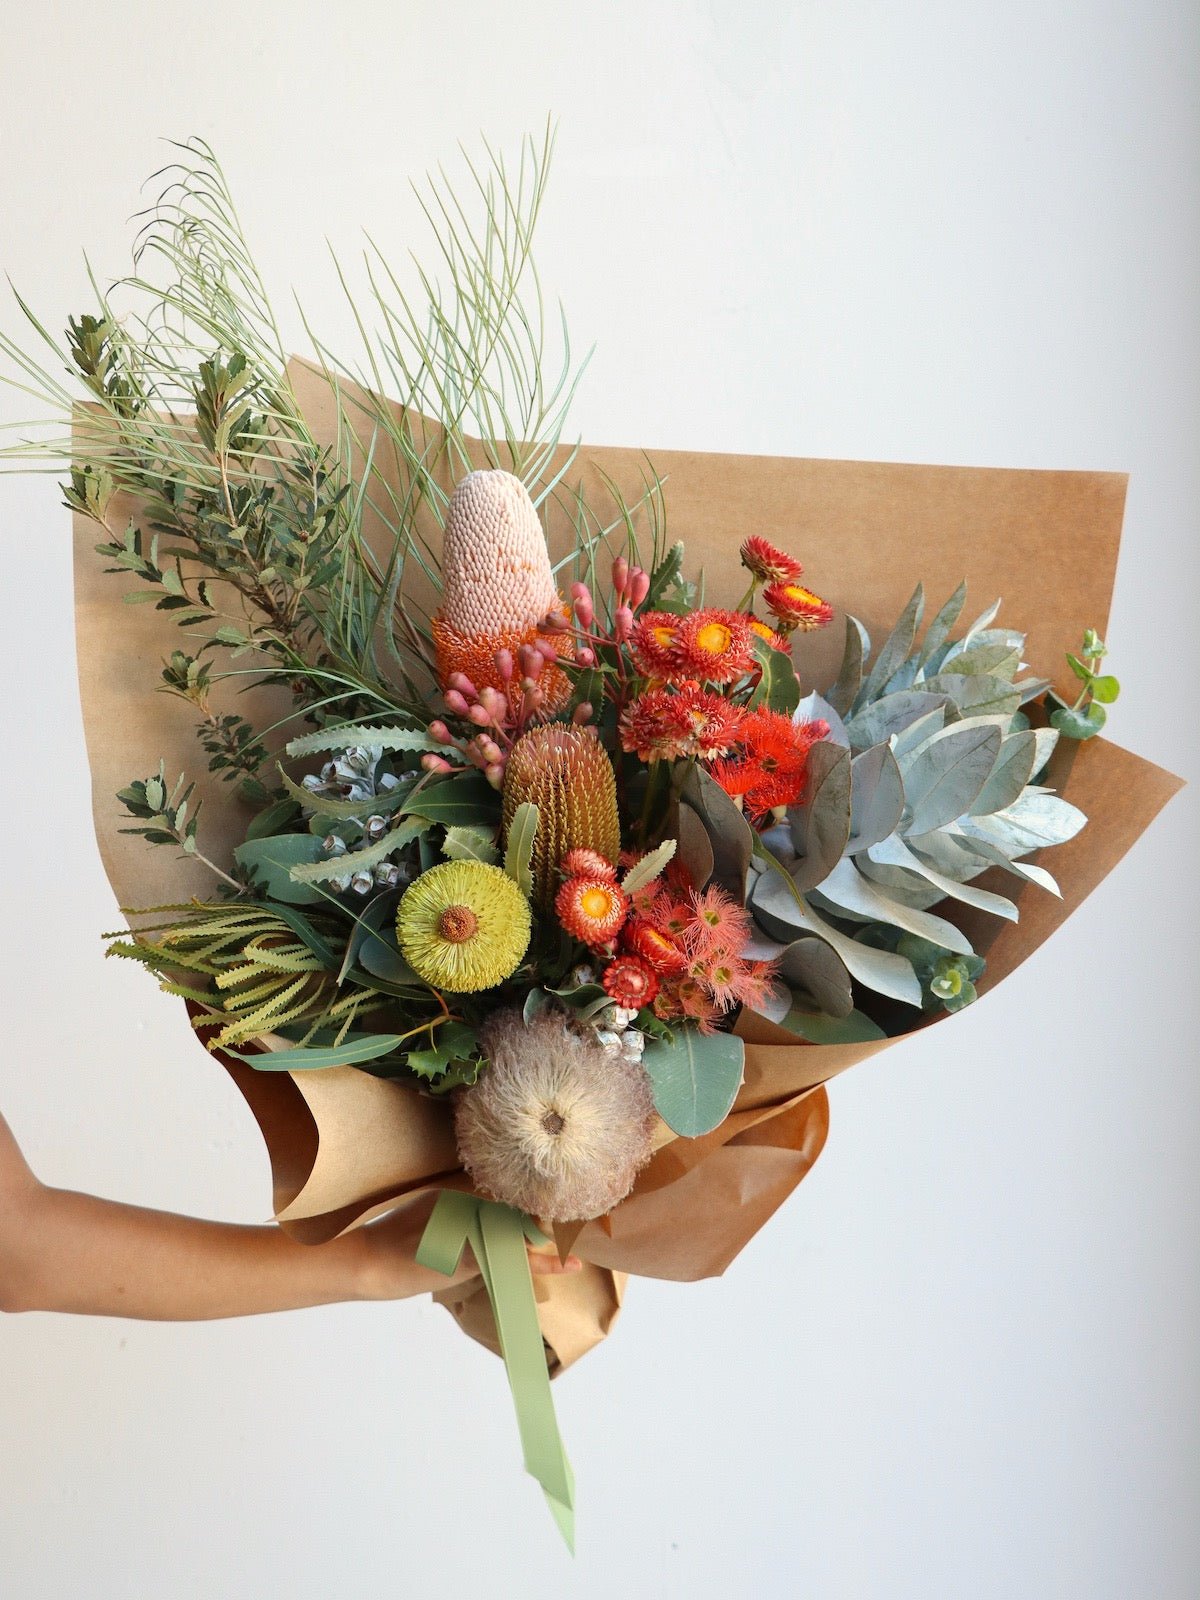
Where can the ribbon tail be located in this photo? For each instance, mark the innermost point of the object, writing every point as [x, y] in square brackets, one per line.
[497, 1235]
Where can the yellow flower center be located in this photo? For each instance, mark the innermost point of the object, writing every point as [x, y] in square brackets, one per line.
[663, 637]
[457, 924]
[714, 638]
[804, 597]
[596, 903]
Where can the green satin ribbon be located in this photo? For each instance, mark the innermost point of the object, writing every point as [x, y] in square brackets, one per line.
[497, 1235]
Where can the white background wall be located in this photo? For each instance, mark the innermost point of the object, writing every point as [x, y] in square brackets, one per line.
[962, 1361]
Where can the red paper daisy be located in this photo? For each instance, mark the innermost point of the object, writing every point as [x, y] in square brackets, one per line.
[588, 864]
[714, 646]
[768, 562]
[664, 726]
[652, 644]
[656, 948]
[631, 982]
[796, 607]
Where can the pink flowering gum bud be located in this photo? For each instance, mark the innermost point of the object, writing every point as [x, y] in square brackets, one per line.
[582, 713]
[480, 716]
[493, 703]
[585, 656]
[547, 651]
[620, 576]
[504, 663]
[489, 750]
[456, 702]
[440, 733]
[553, 622]
[622, 623]
[532, 661]
[460, 681]
[433, 763]
[585, 611]
[639, 587]
[495, 775]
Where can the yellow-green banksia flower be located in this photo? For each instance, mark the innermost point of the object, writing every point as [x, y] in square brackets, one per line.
[463, 926]
[565, 772]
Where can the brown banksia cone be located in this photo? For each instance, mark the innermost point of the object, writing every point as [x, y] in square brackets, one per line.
[566, 773]
[555, 1126]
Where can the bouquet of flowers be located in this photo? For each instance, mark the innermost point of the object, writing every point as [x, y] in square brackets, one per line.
[531, 859]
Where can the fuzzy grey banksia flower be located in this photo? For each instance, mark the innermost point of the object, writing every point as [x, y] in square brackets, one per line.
[556, 1126]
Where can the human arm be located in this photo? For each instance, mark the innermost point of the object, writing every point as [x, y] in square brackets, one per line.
[64, 1251]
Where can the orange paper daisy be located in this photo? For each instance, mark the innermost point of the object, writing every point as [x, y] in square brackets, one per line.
[767, 562]
[592, 910]
[714, 646]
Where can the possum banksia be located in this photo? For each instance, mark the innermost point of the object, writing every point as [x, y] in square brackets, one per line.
[555, 1126]
[566, 773]
[498, 586]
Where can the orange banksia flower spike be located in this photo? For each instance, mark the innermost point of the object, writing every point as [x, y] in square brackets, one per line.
[498, 588]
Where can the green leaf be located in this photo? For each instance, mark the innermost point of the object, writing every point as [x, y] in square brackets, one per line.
[939, 629]
[977, 695]
[778, 688]
[325, 805]
[1012, 771]
[1001, 660]
[895, 649]
[1106, 689]
[366, 931]
[465, 842]
[322, 868]
[649, 867]
[270, 862]
[369, 735]
[891, 715]
[947, 775]
[876, 797]
[820, 824]
[695, 1079]
[518, 852]
[1080, 668]
[849, 679]
[466, 798]
[1073, 724]
[695, 849]
[729, 834]
[847, 890]
[854, 1028]
[277, 818]
[304, 1058]
[451, 1041]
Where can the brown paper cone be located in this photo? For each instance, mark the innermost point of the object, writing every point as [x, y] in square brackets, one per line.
[346, 1147]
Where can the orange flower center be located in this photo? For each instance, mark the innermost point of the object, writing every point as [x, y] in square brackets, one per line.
[457, 924]
[804, 597]
[663, 637]
[714, 638]
[596, 903]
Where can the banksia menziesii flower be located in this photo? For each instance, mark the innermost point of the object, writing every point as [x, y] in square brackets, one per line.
[555, 1126]
[497, 587]
[565, 772]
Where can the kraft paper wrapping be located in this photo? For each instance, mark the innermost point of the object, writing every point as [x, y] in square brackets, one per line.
[346, 1147]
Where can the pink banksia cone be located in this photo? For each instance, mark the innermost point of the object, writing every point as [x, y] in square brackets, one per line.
[555, 1126]
[497, 586]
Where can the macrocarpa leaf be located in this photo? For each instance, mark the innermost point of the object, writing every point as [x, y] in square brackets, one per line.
[820, 824]
[695, 1078]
